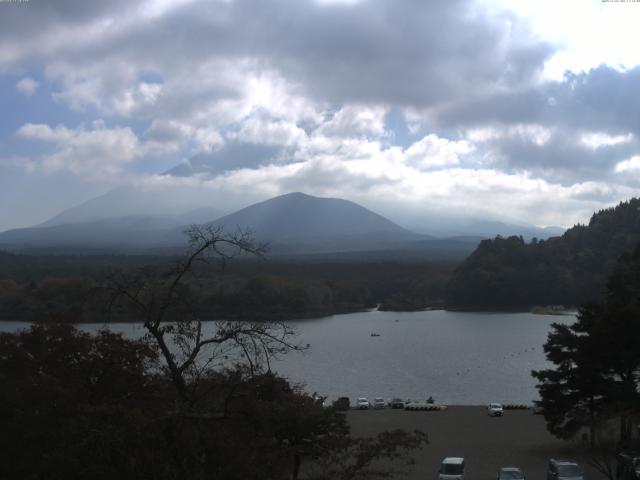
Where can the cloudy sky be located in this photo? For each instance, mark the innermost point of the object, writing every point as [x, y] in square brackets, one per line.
[499, 109]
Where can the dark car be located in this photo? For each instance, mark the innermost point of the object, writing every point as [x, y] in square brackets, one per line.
[510, 473]
[343, 403]
[396, 403]
[628, 466]
[564, 470]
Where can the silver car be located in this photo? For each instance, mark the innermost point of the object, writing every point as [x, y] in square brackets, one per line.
[564, 470]
[510, 473]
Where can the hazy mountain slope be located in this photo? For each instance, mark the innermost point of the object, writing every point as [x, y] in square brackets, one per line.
[129, 201]
[568, 270]
[228, 158]
[294, 223]
[297, 216]
[122, 231]
[491, 229]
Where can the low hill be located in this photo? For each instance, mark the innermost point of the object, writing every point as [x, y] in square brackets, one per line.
[570, 270]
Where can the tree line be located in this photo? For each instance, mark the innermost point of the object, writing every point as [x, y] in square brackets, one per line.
[571, 270]
[73, 289]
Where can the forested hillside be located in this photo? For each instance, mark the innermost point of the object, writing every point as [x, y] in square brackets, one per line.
[73, 288]
[568, 270]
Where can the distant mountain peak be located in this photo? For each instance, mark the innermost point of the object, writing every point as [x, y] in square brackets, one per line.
[297, 215]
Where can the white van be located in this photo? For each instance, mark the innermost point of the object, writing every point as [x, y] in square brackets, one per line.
[452, 468]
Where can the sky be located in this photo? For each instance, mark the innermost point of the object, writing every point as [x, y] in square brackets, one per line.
[506, 109]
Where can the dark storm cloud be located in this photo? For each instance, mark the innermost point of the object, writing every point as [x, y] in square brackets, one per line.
[406, 52]
[30, 30]
[564, 158]
[603, 99]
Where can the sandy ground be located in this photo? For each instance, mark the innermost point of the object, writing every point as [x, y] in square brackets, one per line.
[518, 439]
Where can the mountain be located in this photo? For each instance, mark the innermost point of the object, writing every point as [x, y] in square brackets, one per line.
[492, 228]
[447, 224]
[227, 158]
[294, 224]
[296, 216]
[130, 231]
[131, 202]
[300, 224]
[570, 270]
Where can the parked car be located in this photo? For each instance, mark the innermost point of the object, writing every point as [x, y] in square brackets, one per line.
[320, 400]
[363, 404]
[415, 405]
[564, 470]
[343, 403]
[628, 466]
[396, 403]
[495, 410]
[537, 409]
[451, 468]
[510, 473]
[379, 402]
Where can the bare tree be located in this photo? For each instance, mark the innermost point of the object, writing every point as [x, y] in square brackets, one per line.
[192, 349]
[164, 304]
[602, 449]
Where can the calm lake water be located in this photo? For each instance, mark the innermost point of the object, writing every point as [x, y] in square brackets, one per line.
[456, 357]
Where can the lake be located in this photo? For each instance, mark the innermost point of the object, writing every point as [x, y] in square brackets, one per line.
[462, 358]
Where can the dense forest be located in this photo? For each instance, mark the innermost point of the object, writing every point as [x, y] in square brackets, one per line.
[74, 288]
[509, 273]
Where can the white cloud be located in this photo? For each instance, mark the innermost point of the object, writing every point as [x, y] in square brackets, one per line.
[384, 177]
[434, 151]
[263, 129]
[97, 153]
[532, 133]
[173, 135]
[355, 120]
[27, 86]
[207, 139]
[630, 165]
[20, 162]
[596, 140]
[587, 34]
[134, 99]
[319, 80]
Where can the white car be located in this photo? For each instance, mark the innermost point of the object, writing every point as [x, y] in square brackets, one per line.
[495, 410]
[451, 468]
[362, 404]
[378, 403]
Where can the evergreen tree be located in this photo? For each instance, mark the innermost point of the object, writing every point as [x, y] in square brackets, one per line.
[597, 360]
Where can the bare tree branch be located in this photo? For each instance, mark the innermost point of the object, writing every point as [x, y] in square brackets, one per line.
[162, 303]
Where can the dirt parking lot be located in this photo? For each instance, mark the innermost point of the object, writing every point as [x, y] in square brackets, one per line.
[518, 439]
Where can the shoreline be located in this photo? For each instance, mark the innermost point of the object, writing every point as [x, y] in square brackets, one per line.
[541, 311]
